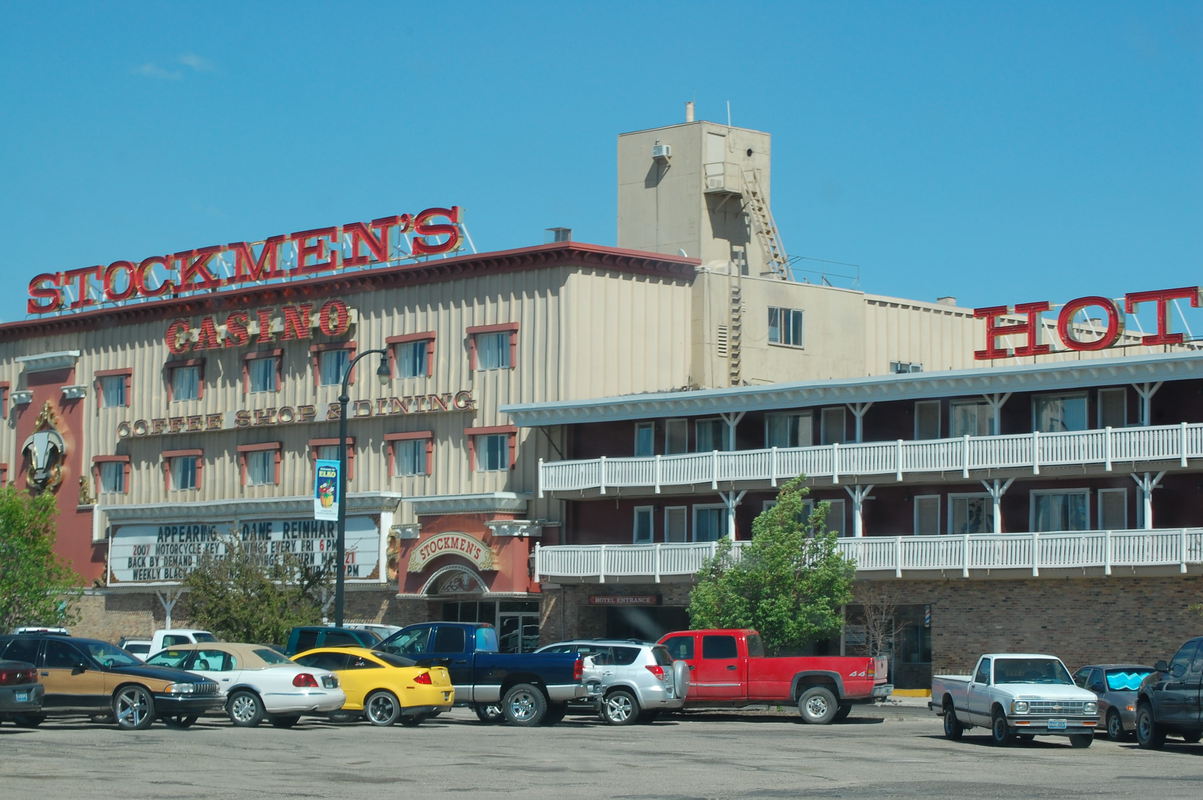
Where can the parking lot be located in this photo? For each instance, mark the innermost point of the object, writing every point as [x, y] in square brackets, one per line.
[879, 752]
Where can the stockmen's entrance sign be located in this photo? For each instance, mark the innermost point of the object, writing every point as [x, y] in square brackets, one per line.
[282, 257]
[459, 544]
[166, 553]
[1030, 328]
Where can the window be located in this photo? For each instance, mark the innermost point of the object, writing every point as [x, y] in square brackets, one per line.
[1113, 408]
[903, 367]
[1113, 509]
[785, 326]
[261, 371]
[676, 524]
[832, 425]
[493, 346]
[789, 430]
[642, 527]
[112, 474]
[327, 450]
[410, 453]
[259, 464]
[835, 516]
[708, 435]
[332, 365]
[970, 418]
[183, 468]
[1064, 412]
[927, 515]
[412, 355]
[719, 646]
[186, 380]
[492, 449]
[927, 419]
[645, 438]
[970, 513]
[4, 387]
[112, 388]
[709, 523]
[676, 436]
[1060, 510]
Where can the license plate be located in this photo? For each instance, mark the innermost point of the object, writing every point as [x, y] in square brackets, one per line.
[1056, 724]
[21, 697]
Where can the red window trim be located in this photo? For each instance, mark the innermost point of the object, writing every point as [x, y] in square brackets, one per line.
[428, 336]
[98, 460]
[314, 361]
[127, 372]
[186, 362]
[473, 330]
[276, 353]
[510, 430]
[166, 457]
[393, 438]
[314, 444]
[3, 474]
[5, 388]
[243, 449]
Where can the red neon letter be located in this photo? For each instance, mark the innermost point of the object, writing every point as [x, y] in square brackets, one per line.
[333, 318]
[236, 333]
[206, 335]
[177, 337]
[377, 244]
[194, 262]
[1161, 297]
[140, 277]
[316, 249]
[994, 330]
[265, 326]
[83, 286]
[44, 287]
[296, 322]
[423, 227]
[1065, 323]
[110, 276]
[248, 268]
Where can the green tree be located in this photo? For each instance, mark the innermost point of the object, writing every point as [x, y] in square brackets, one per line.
[789, 582]
[249, 595]
[36, 586]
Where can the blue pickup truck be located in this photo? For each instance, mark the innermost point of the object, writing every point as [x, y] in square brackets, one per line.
[523, 688]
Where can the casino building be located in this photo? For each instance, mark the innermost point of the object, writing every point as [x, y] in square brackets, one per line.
[563, 430]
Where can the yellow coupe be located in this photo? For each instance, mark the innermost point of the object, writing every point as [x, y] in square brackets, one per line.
[384, 688]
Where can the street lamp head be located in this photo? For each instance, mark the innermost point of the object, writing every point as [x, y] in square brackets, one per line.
[383, 373]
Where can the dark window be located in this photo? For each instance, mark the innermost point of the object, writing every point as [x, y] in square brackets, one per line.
[449, 640]
[330, 661]
[22, 650]
[61, 655]
[306, 640]
[680, 647]
[1183, 659]
[983, 672]
[340, 638]
[359, 662]
[718, 647]
[624, 655]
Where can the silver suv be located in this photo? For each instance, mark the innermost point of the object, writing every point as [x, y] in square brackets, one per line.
[632, 681]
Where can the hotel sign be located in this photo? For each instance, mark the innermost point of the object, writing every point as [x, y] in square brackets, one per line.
[282, 257]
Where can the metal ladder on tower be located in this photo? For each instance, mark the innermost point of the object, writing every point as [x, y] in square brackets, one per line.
[764, 226]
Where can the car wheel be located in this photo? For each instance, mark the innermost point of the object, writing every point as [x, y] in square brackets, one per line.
[28, 720]
[1149, 735]
[412, 720]
[818, 706]
[1115, 726]
[524, 705]
[620, 707]
[1081, 739]
[133, 708]
[180, 720]
[244, 709]
[286, 721]
[1000, 731]
[953, 729]
[488, 713]
[381, 708]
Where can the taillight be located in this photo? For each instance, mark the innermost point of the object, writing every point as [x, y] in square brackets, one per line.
[424, 679]
[304, 679]
[13, 677]
[578, 669]
[656, 670]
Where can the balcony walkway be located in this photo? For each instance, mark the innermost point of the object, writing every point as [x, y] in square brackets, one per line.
[979, 555]
[900, 459]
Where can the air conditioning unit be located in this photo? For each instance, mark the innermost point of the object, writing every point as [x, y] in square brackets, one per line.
[662, 152]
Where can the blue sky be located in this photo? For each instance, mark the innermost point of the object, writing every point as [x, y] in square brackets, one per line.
[999, 152]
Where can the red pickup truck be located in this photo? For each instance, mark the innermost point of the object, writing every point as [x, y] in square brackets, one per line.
[729, 667]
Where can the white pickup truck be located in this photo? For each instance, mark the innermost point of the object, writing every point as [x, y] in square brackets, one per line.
[1016, 695]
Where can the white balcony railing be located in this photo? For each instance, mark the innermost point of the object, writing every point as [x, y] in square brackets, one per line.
[1027, 451]
[902, 555]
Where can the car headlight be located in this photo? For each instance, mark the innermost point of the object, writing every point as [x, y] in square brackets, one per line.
[1019, 706]
[1090, 707]
[181, 688]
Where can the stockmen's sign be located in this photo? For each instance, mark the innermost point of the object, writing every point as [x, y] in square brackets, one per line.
[281, 257]
[166, 553]
[1030, 328]
[460, 544]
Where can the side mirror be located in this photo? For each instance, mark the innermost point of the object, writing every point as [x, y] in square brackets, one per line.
[1178, 670]
[1161, 666]
[79, 669]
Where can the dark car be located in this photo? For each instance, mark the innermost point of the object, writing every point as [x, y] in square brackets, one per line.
[1168, 700]
[20, 691]
[1116, 686]
[88, 676]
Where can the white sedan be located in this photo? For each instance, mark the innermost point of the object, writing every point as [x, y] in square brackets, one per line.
[258, 682]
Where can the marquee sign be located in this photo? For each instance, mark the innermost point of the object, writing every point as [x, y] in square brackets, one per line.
[460, 544]
[167, 553]
[281, 257]
[1029, 328]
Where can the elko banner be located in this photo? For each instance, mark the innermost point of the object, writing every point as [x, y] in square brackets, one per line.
[325, 490]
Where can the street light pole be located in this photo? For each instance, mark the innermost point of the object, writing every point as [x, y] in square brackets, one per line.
[340, 548]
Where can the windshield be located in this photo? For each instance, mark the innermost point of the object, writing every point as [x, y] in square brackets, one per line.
[204, 636]
[168, 658]
[394, 660]
[272, 656]
[1030, 670]
[110, 655]
[1126, 680]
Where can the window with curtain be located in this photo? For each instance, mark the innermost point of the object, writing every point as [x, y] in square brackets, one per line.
[709, 434]
[261, 373]
[788, 430]
[185, 383]
[645, 439]
[970, 513]
[332, 366]
[493, 350]
[642, 525]
[112, 476]
[1061, 511]
[260, 467]
[492, 452]
[409, 457]
[112, 391]
[1066, 412]
[969, 418]
[709, 523]
[785, 326]
[411, 358]
[183, 472]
